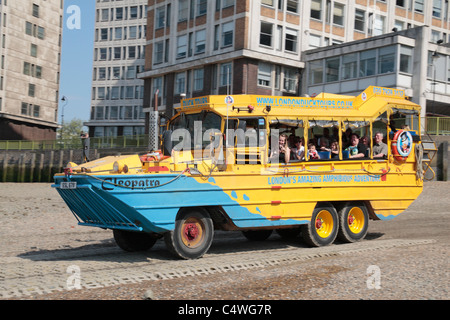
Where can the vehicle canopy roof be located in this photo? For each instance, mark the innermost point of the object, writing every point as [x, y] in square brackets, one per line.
[369, 105]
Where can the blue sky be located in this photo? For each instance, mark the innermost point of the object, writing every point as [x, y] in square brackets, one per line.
[76, 61]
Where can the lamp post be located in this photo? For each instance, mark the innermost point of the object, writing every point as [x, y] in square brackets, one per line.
[65, 102]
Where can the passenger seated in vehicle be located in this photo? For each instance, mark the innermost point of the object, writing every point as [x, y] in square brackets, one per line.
[312, 152]
[324, 145]
[380, 149]
[356, 149]
[325, 138]
[334, 149]
[298, 151]
[283, 154]
[365, 141]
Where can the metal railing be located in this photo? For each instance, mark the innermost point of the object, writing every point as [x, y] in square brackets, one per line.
[438, 125]
[61, 144]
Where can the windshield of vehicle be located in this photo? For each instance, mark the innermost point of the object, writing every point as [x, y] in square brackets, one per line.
[195, 130]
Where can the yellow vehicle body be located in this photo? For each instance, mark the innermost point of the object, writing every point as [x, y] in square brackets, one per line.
[237, 187]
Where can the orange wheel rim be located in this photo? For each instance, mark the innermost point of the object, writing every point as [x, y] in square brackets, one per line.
[192, 232]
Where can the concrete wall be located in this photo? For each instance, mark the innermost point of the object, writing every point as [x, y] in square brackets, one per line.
[40, 166]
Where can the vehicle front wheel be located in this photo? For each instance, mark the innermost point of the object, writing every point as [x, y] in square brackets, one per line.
[323, 228]
[192, 236]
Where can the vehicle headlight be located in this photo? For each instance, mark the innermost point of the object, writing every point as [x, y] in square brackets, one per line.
[116, 167]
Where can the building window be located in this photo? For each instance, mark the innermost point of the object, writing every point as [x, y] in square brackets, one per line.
[114, 113]
[200, 41]
[226, 74]
[292, 6]
[338, 14]
[265, 37]
[202, 6]
[227, 3]
[316, 9]
[159, 52]
[227, 34]
[216, 37]
[290, 43]
[359, 20]
[36, 111]
[33, 50]
[180, 83]
[105, 15]
[332, 69]
[133, 12]
[119, 13]
[264, 74]
[379, 25]
[437, 8]
[132, 32]
[349, 66]
[129, 92]
[31, 90]
[386, 60]
[41, 33]
[35, 10]
[316, 72]
[132, 52]
[118, 33]
[131, 72]
[101, 93]
[367, 63]
[181, 46]
[267, 2]
[418, 6]
[99, 113]
[24, 109]
[290, 79]
[198, 79]
[183, 10]
[406, 54]
[160, 17]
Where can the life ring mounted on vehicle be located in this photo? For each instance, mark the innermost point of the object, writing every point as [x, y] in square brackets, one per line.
[401, 145]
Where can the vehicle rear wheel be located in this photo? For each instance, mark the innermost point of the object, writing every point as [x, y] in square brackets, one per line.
[257, 235]
[192, 236]
[323, 228]
[133, 241]
[353, 222]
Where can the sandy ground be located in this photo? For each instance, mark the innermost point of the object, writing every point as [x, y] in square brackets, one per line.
[34, 222]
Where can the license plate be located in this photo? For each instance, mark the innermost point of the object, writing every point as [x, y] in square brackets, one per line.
[68, 185]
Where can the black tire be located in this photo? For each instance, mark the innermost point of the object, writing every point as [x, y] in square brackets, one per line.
[257, 235]
[289, 234]
[192, 236]
[133, 241]
[353, 222]
[323, 228]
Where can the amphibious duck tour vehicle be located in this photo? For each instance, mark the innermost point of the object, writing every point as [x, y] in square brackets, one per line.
[243, 163]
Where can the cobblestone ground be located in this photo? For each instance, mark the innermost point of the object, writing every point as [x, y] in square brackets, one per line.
[44, 254]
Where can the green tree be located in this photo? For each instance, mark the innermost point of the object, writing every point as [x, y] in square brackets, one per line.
[70, 132]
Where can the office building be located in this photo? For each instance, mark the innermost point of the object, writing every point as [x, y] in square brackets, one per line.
[30, 54]
[119, 55]
[199, 47]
